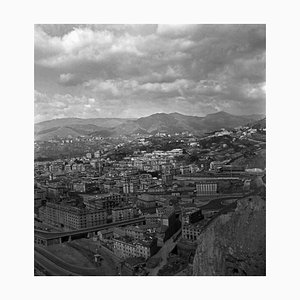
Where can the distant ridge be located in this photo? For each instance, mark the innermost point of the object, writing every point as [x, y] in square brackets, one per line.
[159, 122]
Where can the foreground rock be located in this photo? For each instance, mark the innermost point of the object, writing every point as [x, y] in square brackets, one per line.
[234, 243]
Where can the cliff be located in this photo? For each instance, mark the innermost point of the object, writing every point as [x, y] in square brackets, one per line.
[234, 243]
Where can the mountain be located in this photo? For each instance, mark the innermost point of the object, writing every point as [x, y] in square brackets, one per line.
[159, 122]
[224, 119]
[76, 127]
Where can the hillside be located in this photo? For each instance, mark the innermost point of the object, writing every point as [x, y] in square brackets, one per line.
[234, 243]
[76, 127]
[160, 122]
[260, 124]
[226, 120]
[257, 160]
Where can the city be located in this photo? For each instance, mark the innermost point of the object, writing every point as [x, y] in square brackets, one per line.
[149, 150]
[130, 208]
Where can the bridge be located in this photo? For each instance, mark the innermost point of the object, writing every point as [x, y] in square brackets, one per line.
[48, 238]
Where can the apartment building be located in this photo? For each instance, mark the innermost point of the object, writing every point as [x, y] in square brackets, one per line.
[72, 218]
[102, 201]
[126, 246]
[122, 213]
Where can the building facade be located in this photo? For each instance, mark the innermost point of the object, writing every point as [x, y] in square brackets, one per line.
[72, 218]
[206, 188]
[125, 247]
[122, 213]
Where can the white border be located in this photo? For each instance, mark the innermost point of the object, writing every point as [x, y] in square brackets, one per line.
[17, 118]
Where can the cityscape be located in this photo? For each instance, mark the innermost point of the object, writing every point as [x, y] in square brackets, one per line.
[150, 150]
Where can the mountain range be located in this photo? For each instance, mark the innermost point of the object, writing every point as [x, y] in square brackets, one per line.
[159, 122]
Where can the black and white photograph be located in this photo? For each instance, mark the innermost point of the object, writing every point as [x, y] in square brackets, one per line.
[150, 150]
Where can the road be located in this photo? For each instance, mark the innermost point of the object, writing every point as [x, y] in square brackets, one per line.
[116, 261]
[42, 256]
[163, 253]
[256, 141]
[53, 235]
[49, 266]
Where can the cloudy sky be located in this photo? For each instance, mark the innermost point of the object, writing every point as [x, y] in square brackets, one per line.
[89, 71]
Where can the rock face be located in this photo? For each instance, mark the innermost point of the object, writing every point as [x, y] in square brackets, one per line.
[234, 243]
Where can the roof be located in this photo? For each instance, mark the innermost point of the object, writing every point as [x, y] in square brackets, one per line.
[162, 229]
[122, 207]
[190, 209]
[134, 228]
[197, 225]
[134, 261]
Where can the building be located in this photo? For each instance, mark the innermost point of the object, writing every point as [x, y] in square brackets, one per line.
[231, 169]
[130, 184]
[126, 246]
[167, 215]
[72, 217]
[215, 165]
[108, 185]
[185, 170]
[209, 184]
[152, 220]
[191, 232]
[105, 234]
[105, 201]
[146, 200]
[206, 187]
[122, 213]
[204, 164]
[176, 152]
[191, 215]
[125, 183]
[133, 186]
[39, 197]
[167, 179]
[135, 231]
[79, 187]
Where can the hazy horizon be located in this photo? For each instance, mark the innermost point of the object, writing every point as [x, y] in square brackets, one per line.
[132, 71]
[174, 112]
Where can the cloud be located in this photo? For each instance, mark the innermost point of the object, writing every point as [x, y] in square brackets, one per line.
[81, 44]
[193, 69]
[176, 30]
[68, 79]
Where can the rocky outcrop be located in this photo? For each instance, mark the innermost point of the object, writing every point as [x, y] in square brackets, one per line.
[234, 243]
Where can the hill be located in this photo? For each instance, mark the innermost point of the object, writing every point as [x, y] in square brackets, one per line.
[159, 122]
[175, 122]
[226, 120]
[76, 127]
[260, 124]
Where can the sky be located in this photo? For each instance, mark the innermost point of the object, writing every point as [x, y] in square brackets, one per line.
[131, 71]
